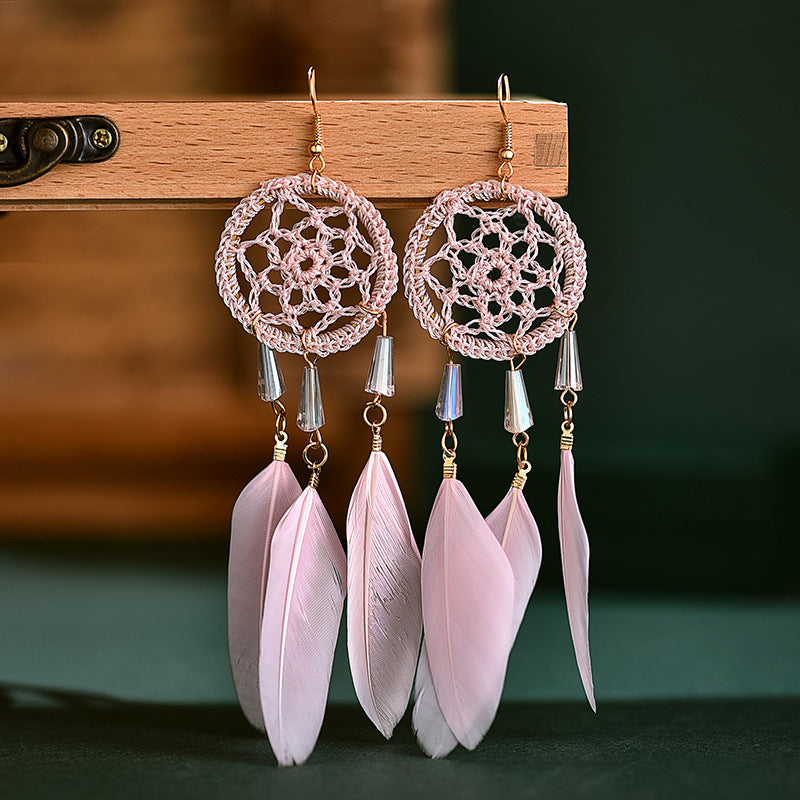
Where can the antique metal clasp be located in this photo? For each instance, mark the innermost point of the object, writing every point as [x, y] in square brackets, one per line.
[31, 147]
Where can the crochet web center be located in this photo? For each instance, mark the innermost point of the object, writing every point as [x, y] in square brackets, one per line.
[494, 274]
[309, 265]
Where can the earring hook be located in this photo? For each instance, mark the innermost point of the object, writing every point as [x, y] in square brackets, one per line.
[316, 148]
[506, 152]
[503, 95]
[312, 89]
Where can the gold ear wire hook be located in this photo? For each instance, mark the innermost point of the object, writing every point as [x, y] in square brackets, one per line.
[316, 148]
[503, 95]
[506, 152]
[312, 89]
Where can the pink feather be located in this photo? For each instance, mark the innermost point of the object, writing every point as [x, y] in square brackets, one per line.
[384, 606]
[302, 612]
[431, 729]
[256, 514]
[467, 606]
[575, 565]
[515, 528]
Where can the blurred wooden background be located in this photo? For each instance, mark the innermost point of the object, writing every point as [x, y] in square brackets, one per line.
[127, 392]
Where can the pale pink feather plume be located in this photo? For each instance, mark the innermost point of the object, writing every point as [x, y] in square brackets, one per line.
[384, 604]
[431, 729]
[257, 512]
[515, 528]
[467, 606]
[302, 612]
[575, 565]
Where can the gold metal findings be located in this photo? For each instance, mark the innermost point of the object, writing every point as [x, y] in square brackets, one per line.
[281, 437]
[449, 469]
[317, 163]
[568, 398]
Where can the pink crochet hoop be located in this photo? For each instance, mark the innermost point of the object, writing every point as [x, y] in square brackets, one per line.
[309, 265]
[493, 275]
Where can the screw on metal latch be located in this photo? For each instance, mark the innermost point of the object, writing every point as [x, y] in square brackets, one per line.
[102, 138]
[3, 143]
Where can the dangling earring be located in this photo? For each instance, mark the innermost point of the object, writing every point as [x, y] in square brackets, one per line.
[301, 603]
[477, 576]
[384, 606]
[571, 531]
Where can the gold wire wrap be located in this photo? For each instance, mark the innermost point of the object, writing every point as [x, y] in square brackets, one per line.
[281, 437]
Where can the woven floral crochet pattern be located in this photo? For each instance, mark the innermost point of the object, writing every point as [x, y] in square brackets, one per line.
[309, 265]
[486, 297]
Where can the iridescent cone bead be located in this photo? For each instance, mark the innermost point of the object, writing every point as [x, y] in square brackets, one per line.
[381, 371]
[450, 404]
[568, 369]
[310, 414]
[518, 414]
[270, 378]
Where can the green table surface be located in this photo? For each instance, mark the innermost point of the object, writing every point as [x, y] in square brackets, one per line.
[114, 682]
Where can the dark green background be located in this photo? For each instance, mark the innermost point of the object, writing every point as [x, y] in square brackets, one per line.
[683, 167]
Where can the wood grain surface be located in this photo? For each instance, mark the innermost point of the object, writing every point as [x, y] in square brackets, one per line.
[208, 154]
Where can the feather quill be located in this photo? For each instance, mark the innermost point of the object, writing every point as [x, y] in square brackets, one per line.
[467, 607]
[256, 513]
[513, 525]
[302, 612]
[384, 605]
[575, 565]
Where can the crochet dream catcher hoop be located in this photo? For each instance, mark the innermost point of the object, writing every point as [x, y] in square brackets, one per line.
[493, 275]
[309, 265]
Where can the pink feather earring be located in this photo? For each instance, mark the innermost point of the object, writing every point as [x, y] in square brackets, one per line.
[289, 604]
[384, 606]
[478, 575]
[571, 531]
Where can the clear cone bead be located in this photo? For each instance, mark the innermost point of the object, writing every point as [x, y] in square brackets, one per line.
[568, 369]
[310, 415]
[449, 406]
[381, 371]
[518, 416]
[270, 378]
